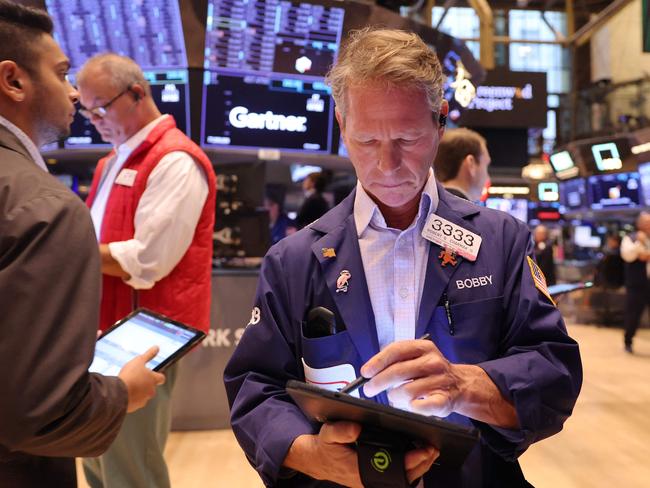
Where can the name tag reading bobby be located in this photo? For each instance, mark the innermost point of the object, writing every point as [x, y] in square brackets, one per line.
[126, 177]
[452, 237]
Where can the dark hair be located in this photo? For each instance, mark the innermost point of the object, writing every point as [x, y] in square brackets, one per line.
[454, 147]
[319, 181]
[20, 29]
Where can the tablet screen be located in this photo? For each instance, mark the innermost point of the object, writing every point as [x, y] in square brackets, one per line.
[135, 334]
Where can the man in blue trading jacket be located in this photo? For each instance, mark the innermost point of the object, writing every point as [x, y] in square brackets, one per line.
[397, 258]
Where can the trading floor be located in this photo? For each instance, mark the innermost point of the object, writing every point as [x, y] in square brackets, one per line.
[605, 443]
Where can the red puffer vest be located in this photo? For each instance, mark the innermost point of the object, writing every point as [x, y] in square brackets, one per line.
[184, 294]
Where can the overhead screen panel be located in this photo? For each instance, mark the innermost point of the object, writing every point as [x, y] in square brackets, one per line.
[148, 31]
[265, 67]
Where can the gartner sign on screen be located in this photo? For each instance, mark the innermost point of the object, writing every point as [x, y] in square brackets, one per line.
[256, 112]
[508, 99]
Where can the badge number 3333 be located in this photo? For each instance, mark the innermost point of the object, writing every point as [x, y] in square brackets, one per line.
[452, 237]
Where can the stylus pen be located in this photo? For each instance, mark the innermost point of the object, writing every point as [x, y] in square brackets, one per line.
[360, 381]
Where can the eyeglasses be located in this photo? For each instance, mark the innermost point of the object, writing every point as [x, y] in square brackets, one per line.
[100, 112]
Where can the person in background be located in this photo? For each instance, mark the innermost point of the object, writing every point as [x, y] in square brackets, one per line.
[152, 201]
[610, 271]
[462, 163]
[315, 205]
[635, 251]
[279, 222]
[499, 359]
[544, 253]
[51, 408]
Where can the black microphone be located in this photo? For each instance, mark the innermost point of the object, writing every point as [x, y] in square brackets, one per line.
[321, 322]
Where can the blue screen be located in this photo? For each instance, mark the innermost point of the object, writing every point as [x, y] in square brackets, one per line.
[265, 66]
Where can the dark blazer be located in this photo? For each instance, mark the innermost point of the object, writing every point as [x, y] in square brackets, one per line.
[502, 323]
[544, 258]
[51, 408]
[313, 208]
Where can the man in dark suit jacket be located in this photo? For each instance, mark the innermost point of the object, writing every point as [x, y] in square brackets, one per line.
[315, 205]
[544, 253]
[635, 251]
[51, 408]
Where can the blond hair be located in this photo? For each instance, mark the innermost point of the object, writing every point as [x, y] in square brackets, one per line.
[394, 57]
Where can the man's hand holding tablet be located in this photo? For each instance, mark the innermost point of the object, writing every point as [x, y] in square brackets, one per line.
[140, 381]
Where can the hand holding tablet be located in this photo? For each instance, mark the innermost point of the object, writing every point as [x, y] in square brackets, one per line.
[136, 334]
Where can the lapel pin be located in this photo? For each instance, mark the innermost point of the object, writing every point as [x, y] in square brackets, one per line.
[328, 252]
[447, 257]
[342, 281]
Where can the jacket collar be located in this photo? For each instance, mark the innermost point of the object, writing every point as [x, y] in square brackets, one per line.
[339, 233]
[12, 137]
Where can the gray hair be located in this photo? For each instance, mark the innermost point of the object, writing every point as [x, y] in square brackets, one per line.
[395, 57]
[123, 71]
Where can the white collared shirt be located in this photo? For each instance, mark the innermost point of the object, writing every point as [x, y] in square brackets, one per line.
[25, 141]
[394, 263]
[167, 213]
[630, 251]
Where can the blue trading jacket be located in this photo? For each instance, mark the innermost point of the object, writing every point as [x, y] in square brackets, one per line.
[502, 323]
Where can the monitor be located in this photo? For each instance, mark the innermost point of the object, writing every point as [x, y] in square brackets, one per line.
[264, 84]
[149, 31]
[170, 91]
[543, 212]
[573, 194]
[582, 237]
[563, 165]
[606, 156]
[644, 177]
[301, 171]
[619, 190]
[517, 207]
[548, 191]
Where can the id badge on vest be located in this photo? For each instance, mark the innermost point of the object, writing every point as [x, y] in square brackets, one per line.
[126, 177]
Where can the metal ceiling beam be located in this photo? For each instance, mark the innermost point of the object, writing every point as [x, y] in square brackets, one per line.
[484, 12]
[582, 35]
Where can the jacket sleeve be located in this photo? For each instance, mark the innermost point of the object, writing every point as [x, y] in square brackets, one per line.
[49, 297]
[263, 417]
[539, 367]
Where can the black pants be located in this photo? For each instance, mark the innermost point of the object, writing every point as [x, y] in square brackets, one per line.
[636, 301]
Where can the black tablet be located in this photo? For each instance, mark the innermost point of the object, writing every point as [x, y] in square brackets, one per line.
[136, 333]
[454, 441]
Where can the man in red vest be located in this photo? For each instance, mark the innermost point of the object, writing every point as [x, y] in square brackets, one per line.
[152, 202]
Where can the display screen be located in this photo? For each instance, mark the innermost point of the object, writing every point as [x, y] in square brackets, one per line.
[517, 207]
[170, 91]
[544, 211]
[264, 82]
[508, 99]
[573, 194]
[548, 191]
[644, 177]
[583, 237]
[621, 190]
[148, 31]
[607, 156]
[134, 337]
[563, 165]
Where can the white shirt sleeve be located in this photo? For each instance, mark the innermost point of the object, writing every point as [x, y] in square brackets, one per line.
[165, 220]
[630, 249]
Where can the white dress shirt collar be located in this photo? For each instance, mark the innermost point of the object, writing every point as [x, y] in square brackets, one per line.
[25, 141]
[125, 149]
[367, 211]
